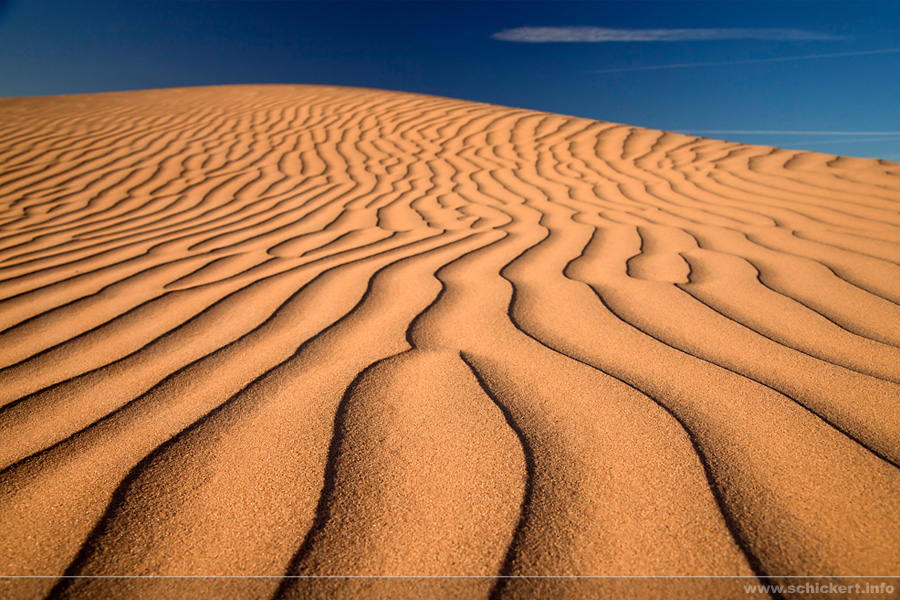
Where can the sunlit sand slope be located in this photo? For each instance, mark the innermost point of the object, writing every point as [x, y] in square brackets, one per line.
[303, 331]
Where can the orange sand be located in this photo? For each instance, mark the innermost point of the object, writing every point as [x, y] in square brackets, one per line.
[302, 330]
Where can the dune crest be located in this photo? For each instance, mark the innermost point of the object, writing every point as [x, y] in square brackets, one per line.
[308, 330]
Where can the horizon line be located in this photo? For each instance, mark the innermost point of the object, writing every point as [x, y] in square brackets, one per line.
[775, 132]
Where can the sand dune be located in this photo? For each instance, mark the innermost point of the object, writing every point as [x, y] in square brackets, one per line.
[318, 331]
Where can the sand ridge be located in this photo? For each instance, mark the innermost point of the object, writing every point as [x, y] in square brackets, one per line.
[311, 330]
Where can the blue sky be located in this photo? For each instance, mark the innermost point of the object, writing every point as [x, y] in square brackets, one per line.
[817, 75]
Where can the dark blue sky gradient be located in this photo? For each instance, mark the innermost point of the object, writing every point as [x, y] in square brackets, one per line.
[446, 48]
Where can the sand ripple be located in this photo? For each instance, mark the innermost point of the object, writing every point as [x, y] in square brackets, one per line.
[306, 331]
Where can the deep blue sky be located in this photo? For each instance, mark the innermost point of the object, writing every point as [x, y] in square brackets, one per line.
[452, 49]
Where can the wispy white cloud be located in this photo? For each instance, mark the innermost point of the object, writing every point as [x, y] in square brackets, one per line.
[603, 34]
[751, 61]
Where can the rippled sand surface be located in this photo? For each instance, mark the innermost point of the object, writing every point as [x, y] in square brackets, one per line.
[307, 331]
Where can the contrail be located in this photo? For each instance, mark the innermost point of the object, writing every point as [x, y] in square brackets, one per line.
[747, 62]
[850, 140]
[605, 34]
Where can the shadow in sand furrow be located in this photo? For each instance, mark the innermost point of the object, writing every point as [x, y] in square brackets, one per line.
[676, 320]
[504, 573]
[782, 279]
[51, 329]
[73, 235]
[847, 397]
[860, 275]
[115, 185]
[773, 169]
[580, 422]
[699, 185]
[36, 297]
[274, 433]
[729, 184]
[223, 268]
[814, 334]
[89, 200]
[61, 168]
[879, 249]
[839, 339]
[160, 160]
[355, 238]
[659, 257]
[670, 199]
[872, 274]
[183, 240]
[853, 170]
[301, 214]
[752, 468]
[698, 196]
[36, 421]
[844, 293]
[750, 169]
[420, 452]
